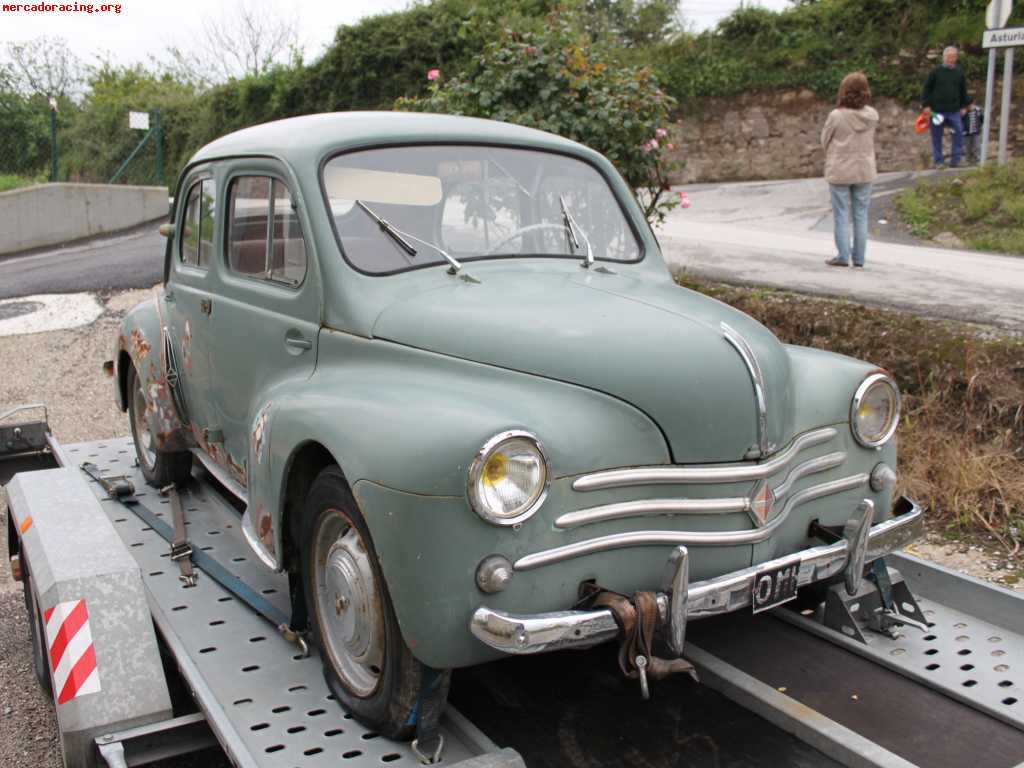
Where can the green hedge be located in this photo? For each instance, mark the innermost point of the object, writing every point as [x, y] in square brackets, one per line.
[815, 43]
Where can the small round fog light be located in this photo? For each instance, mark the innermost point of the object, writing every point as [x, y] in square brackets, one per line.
[883, 478]
[493, 574]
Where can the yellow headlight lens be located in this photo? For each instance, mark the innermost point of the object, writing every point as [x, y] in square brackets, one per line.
[508, 479]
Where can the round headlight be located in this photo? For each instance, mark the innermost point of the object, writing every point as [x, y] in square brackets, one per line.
[508, 478]
[875, 411]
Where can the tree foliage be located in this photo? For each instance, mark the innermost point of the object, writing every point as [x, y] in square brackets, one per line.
[816, 42]
[558, 80]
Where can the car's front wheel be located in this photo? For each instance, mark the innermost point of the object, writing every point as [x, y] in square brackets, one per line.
[160, 468]
[367, 664]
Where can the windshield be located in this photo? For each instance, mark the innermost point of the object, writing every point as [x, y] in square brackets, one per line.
[471, 202]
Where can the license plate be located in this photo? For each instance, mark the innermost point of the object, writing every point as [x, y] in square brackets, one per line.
[774, 586]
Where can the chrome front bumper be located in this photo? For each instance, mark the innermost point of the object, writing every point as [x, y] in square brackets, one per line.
[680, 601]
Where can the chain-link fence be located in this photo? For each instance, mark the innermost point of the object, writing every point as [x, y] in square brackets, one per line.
[42, 140]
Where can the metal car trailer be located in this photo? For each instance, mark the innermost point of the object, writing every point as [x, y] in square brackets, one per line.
[944, 686]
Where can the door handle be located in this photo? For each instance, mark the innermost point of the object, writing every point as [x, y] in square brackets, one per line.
[296, 342]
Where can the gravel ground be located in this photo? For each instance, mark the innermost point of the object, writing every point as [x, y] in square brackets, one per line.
[63, 370]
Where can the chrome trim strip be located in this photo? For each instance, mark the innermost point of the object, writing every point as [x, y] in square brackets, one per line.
[644, 507]
[809, 467]
[722, 473]
[741, 345]
[533, 633]
[688, 538]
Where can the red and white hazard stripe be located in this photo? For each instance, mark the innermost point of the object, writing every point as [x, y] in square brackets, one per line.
[72, 656]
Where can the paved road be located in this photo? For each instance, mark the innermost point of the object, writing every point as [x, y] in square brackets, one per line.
[779, 234]
[132, 260]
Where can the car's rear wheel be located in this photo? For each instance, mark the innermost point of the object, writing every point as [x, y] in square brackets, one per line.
[160, 468]
[367, 664]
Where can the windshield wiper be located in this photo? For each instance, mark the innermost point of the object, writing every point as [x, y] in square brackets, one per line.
[571, 227]
[388, 230]
[400, 237]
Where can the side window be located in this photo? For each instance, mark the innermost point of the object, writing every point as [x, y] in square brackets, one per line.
[189, 241]
[207, 213]
[265, 240]
[196, 247]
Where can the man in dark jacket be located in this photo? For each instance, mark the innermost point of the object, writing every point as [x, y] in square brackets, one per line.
[944, 100]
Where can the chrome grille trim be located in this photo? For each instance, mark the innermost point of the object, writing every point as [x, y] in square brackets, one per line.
[689, 538]
[746, 352]
[644, 507]
[809, 467]
[723, 473]
[723, 506]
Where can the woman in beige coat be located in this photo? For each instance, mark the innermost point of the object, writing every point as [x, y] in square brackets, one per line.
[849, 141]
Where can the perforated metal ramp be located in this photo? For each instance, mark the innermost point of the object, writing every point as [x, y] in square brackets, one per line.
[267, 704]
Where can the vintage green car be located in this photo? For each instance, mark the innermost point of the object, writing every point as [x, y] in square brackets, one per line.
[443, 364]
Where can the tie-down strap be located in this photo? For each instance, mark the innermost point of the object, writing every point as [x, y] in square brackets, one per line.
[638, 619]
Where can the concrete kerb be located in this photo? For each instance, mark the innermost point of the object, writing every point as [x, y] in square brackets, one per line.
[52, 214]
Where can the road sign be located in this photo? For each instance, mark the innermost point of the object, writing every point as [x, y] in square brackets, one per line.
[138, 120]
[1003, 38]
[998, 13]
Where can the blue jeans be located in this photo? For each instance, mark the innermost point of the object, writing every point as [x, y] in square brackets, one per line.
[845, 197]
[953, 120]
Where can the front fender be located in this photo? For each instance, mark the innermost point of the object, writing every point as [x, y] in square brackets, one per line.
[139, 344]
[412, 421]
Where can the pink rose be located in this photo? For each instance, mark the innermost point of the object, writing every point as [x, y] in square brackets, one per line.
[651, 145]
[661, 133]
[433, 75]
[684, 200]
[670, 147]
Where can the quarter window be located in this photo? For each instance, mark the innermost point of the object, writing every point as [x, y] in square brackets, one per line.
[265, 240]
[197, 226]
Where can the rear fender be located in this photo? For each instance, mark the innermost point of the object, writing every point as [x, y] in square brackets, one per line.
[140, 345]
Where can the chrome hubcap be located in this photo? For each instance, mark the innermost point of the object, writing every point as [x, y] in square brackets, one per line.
[348, 604]
[144, 444]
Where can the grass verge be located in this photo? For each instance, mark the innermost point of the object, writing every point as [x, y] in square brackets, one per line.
[9, 182]
[984, 208]
[962, 432]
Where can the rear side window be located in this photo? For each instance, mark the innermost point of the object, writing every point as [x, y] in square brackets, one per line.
[197, 228]
[265, 239]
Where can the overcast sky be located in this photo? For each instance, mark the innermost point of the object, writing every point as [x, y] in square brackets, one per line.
[145, 27]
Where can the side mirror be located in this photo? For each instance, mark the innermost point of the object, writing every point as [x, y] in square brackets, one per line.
[167, 230]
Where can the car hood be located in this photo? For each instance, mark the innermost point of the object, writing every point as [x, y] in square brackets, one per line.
[648, 342]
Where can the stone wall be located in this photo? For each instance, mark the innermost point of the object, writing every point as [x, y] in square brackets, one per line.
[776, 135]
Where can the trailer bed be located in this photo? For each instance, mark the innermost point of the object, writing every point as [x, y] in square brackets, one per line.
[267, 704]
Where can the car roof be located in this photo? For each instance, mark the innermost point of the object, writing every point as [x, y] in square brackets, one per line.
[313, 136]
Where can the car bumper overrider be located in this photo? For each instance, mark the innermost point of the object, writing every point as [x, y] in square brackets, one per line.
[679, 601]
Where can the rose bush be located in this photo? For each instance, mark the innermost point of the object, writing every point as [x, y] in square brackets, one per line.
[559, 80]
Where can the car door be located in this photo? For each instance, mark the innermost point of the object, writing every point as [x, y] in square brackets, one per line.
[267, 311]
[188, 296]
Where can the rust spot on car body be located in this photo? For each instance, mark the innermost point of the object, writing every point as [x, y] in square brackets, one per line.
[238, 473]
[259, 433]
[140, 347]
[265, 527]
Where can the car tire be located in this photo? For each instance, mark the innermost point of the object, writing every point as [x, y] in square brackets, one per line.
[367, 664]
[160, 468]
[37, 632]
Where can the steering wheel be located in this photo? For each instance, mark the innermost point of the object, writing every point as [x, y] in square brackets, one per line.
[522, 231]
